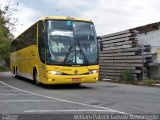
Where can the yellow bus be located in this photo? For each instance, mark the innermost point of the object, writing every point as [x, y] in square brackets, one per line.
[57, 50]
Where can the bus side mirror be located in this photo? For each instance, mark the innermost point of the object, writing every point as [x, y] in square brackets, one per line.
[100, 43]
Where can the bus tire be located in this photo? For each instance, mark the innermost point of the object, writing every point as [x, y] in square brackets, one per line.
[76, 84]
[16, 72]
[35, 77]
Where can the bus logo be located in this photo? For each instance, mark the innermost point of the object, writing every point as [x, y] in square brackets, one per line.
[76, 72]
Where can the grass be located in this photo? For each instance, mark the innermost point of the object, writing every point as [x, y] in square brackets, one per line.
[150, 82]
[127, 76]
[146, 82]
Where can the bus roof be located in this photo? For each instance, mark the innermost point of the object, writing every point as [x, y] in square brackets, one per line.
[64, 18]
[58, 18]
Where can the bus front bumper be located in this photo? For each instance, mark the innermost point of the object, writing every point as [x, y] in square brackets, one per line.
[70, 79]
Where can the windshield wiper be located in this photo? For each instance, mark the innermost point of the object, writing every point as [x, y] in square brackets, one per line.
[69, 51]
[82, 52]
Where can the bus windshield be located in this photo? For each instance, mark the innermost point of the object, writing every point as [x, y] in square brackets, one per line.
[71, 43]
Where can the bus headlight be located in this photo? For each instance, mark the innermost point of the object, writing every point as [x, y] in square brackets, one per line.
[54, 73]
[93, 71]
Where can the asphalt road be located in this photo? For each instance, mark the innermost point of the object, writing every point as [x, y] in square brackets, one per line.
[22, 96]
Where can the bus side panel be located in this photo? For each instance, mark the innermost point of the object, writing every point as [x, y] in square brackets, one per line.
[22, 62]
[25, 60]
[34, 61]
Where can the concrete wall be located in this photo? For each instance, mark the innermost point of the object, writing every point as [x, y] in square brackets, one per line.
[154, 72]
[152, 38]
[156, 54]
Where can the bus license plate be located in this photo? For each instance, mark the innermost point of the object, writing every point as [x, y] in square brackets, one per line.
[76, 79]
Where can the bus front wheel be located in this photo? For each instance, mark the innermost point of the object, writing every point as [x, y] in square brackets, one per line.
[35, 77]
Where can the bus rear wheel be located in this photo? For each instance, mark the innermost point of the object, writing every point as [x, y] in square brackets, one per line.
[76, 84]
[16, 72]
[35, 77]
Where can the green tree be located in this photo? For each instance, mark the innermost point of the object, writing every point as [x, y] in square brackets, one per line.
[4, 38]
[7, 23]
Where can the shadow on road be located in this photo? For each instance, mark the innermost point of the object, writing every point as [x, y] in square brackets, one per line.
[55, 87]
[67, 86]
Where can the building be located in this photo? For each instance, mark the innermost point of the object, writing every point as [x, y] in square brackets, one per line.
[150, 35]
[136, 49]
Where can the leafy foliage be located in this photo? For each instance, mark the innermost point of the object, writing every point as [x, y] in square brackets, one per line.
[7, 23]
[127, 76]
[149, 82]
